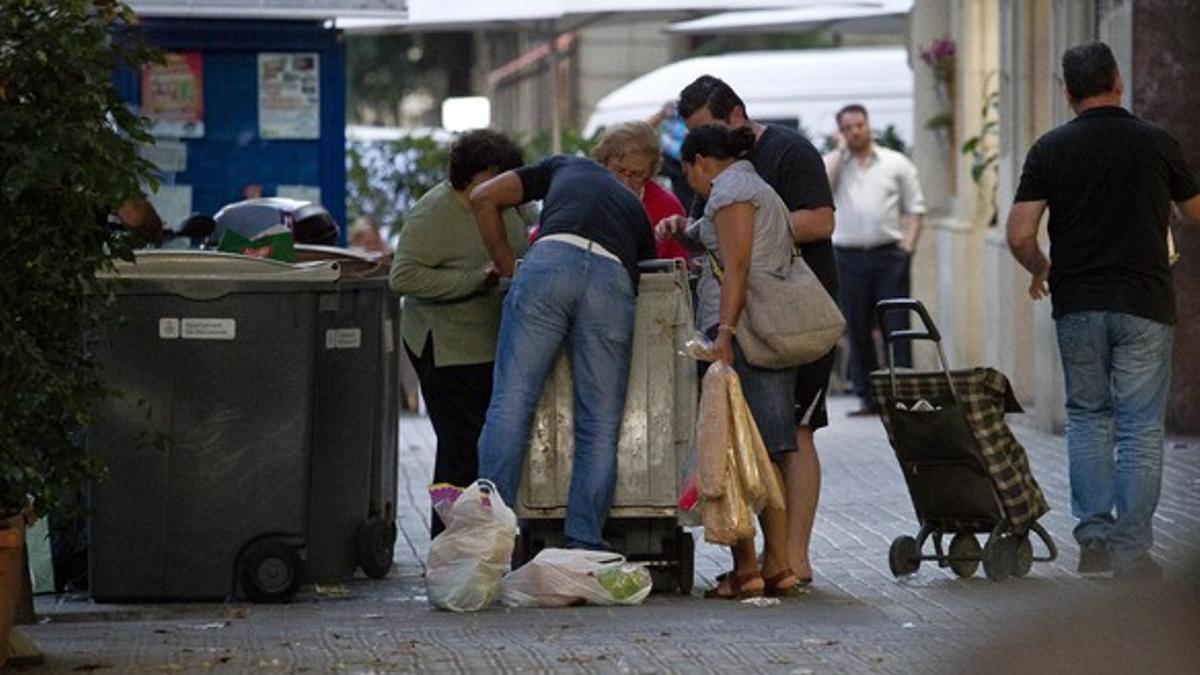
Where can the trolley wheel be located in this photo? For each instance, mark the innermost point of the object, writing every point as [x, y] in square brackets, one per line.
[374, 545]
[270, 571]
[687, 560]
[904, 556]
[997, 558]
[964, 554]
[1022, 552]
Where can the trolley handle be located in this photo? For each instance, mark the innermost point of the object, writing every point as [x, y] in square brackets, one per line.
[885, 307]
[930, 332]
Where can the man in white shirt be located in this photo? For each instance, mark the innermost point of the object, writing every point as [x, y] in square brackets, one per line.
[879, 216]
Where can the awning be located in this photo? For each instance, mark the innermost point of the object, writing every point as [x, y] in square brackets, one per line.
[863, 16]
[374, 10]
[468, 14]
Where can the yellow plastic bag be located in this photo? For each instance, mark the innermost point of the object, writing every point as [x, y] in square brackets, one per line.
[736, 477]
[747, 446]
[727, 519]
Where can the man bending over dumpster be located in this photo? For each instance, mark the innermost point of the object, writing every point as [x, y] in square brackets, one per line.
[578, 286]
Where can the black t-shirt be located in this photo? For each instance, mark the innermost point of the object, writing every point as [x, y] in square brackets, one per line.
[581, 197]
[1108, 179]
[788, 162]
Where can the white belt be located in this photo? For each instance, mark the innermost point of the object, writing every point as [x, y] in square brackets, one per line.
[582, 242]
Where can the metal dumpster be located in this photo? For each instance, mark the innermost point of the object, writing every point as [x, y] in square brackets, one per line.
[657, 429]
[215, 353]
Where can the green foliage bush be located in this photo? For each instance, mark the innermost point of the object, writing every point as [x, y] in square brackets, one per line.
[385, 178]
[68, 154]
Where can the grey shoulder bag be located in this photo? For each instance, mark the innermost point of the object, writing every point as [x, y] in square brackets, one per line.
[788, 320]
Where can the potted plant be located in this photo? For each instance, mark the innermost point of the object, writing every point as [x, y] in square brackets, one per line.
[68, 156]
[941, 57]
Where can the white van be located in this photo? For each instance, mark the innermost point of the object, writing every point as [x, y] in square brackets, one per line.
[803, 89]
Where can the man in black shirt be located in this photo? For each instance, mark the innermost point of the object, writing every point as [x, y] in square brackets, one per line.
[1108, 179]
[789, 163]
[578, 285]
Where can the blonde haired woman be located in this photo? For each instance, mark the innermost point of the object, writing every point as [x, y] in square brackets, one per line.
[631, 151]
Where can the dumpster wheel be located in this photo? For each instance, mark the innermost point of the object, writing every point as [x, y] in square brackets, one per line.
[374, 546]
[270, 571]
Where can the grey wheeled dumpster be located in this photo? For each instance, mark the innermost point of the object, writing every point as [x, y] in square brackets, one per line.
[215, 353]
[352, 511]
[656, 431]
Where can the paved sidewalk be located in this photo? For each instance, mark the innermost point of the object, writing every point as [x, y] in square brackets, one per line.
[857, 618]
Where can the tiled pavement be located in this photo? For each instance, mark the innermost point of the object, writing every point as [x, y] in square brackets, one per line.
[856, 619]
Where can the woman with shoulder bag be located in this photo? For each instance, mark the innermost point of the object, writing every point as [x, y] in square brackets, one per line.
[745, 227]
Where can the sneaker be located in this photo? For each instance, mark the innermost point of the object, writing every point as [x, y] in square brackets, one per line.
[865, 411]
[1142, 568]
[1094, 558]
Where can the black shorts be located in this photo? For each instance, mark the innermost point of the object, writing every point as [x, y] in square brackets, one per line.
[811, 385]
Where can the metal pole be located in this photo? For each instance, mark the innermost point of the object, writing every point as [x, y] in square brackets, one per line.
[555, 93]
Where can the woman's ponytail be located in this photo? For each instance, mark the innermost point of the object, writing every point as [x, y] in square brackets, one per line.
[739, 141]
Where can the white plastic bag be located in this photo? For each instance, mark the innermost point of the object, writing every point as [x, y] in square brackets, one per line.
[559, 577]
[467, 560]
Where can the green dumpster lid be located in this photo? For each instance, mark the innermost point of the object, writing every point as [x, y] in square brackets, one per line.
[201, 265]
[358, 264]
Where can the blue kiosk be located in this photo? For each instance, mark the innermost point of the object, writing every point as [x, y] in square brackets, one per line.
[251, 101]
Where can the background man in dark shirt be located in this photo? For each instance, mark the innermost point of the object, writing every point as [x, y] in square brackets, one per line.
[1108, 179]
[789, 163]
[578, 285]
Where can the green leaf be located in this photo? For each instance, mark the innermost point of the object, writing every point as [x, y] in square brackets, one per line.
[67, 155]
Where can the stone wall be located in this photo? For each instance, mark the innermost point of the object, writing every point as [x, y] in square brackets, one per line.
[1166, 60]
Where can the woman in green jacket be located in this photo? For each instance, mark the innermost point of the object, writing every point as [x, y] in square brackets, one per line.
[452, 302]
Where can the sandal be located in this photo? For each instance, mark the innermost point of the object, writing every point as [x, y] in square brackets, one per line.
[804, 581]
[739, 590]
[773, 588]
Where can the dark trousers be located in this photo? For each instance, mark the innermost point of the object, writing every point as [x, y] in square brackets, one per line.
[866, 276]
[456, 398]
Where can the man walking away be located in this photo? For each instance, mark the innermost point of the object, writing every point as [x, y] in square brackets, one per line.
[880, 212]
[1108, 179]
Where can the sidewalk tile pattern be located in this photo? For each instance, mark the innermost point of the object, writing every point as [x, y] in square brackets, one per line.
[858, 618]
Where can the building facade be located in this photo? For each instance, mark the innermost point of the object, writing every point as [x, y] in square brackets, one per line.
[1005, 91]
[514, 68]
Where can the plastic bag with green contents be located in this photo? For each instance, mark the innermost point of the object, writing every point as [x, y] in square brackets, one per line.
[559, 577]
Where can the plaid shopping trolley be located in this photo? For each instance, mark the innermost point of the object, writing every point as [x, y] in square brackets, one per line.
[966, 472]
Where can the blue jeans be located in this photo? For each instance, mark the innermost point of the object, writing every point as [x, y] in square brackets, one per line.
[563, 293]
[1118, 370]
